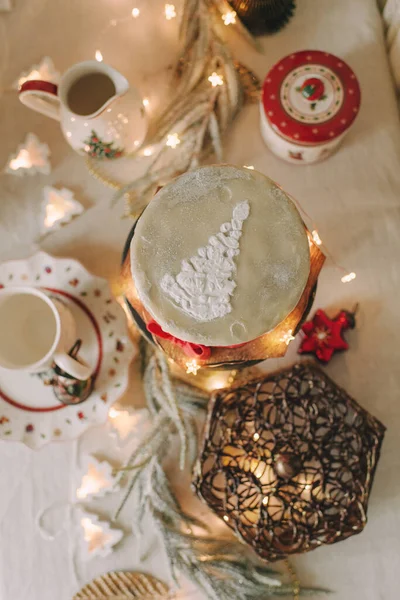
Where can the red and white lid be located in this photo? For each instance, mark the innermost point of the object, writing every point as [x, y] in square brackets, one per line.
[311, 97]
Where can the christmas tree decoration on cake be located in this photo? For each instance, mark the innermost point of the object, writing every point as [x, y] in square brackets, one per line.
[204, 286]
[264, 16]
[324, 336]
[288, 462]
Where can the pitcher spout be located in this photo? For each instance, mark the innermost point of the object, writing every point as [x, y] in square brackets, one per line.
[90, 87]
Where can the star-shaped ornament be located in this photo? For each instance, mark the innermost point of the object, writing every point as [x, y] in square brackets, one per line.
[99, 537]
[45, 70]
[125, 424]
[97, 480]
[30, 158]
[324, 336]
[59, 207]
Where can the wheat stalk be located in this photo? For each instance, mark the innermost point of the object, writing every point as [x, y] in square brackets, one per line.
[198, 113]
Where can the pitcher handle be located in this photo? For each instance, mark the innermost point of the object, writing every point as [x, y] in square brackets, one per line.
[41, 96]
[72, 366]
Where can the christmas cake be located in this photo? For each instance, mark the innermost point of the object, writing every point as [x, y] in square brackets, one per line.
[219, 257]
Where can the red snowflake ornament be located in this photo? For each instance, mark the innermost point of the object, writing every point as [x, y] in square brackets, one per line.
[324, 336]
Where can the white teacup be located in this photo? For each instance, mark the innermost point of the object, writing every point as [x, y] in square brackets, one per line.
[35, 332]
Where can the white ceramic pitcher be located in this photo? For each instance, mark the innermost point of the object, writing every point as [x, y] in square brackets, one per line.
[100, 114]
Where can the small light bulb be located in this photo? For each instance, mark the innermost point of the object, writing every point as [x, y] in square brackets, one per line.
[229, 18]
[112, 413]
[173, 140]
[287, 337]
[170, 12]
[348, 278]
[98, 56]
[265, 501]
[256, 437]
[135, 13]
[226, 518]
[315, 236]
[216, 79]
[146, 102]
[147, 152]
[192, 367]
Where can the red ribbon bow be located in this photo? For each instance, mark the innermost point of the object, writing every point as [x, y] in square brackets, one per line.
[192, 350]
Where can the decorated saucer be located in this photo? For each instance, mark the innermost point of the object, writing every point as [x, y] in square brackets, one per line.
[29, 410]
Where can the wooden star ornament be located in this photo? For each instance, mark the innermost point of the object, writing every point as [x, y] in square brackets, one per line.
[324, 336]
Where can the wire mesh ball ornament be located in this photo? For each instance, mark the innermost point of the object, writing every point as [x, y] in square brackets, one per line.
[264, 16]
[288, 461]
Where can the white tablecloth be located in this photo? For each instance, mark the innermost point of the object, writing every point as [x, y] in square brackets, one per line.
[354, 198]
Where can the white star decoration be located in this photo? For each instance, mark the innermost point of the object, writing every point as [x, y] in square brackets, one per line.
[98, 479]
[31, 157]
[192, 367]
[44, 70]
[59, 206]
[288, 337]
[125, 424]
[98, 537]
[216, 79]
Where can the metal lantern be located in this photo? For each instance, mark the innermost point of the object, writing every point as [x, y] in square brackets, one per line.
[288, 462]
[264, 16]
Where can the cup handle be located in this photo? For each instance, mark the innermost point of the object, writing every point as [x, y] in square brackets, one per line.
[72, 366]
[42, 97]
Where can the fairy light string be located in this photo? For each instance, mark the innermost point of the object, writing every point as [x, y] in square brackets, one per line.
[347, 276]
[294, 580]
[135, 13]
